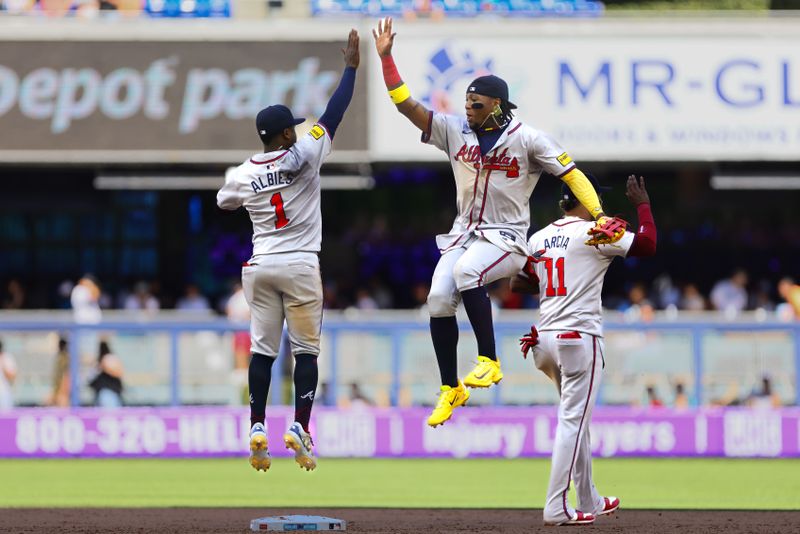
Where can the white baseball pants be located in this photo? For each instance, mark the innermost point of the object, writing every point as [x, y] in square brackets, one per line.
[477, 263]
[284, 286]
[575, 363]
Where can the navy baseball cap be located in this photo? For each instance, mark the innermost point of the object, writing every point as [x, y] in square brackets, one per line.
[567, 194]
[491, 85]
[274, 119]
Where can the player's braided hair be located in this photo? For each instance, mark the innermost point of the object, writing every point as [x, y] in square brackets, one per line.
[568, 204]
[505, 109]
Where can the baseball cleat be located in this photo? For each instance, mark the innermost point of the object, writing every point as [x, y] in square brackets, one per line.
[486, 373]
[449, 399]
[301, 443]
[580, 518]
[611, 504]
[259, 453]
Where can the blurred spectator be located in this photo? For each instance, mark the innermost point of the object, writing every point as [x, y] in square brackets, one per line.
[764, 397]
[8, 372]
[730, 295]
[237, 311]
[107, 384]
[61, 378]
[761, 298]
[790, 292]
[380, 293]
[193, 300]
[652, 398]
[357, 397]
[419, 293]
[364, 300]
[63, 293]
[142, 298]
[504, 298]
[323, 394]
[681, 401]
[639, 308]
[16, 7]
[15, 295]
[666, 293]
[84, 299]
[330, 296]
[692, 299]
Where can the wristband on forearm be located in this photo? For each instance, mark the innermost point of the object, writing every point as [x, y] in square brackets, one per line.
[398, 90]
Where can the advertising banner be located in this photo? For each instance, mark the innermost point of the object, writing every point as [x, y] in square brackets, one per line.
[162, 101]
[691, 96]
[473, 432]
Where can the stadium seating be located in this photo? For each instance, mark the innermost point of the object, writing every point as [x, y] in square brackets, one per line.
[458, 8]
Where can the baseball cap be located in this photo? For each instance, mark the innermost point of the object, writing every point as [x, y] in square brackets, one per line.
[491, 85]
[274, 119]
[567, 194]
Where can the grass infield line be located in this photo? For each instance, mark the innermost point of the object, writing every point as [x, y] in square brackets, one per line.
[667, 484]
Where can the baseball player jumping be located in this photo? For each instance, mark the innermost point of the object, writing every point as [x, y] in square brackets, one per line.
[568, 347]
[496, 163]
[280, 188]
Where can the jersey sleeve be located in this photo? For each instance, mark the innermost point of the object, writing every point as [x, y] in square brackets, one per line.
[312, 149]
[230, 197]
[549, 155]
[438, 132]
[620, 248]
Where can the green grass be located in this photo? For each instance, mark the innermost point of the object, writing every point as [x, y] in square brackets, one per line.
[640, 483]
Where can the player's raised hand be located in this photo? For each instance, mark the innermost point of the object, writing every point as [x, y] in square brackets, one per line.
[352, 57]
[636, 191]
[384, 38]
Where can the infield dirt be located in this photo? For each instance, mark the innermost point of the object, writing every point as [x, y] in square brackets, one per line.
[382, 520]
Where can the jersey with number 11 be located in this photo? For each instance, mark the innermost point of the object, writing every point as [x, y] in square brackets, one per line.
[281, 192]
[571, 275]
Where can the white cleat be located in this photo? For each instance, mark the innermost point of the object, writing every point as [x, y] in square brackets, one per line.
[610, 505]
[259, 453]
[301, 443]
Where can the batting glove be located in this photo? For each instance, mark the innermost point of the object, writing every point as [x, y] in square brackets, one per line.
[528, 341]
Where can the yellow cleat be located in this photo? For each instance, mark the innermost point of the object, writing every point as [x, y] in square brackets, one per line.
[300, 442]
[259, 451]
[485, 374]
[449, 399]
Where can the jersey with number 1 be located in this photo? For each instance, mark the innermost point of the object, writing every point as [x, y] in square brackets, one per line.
[281, 192]
[493, 190]
[571, 275]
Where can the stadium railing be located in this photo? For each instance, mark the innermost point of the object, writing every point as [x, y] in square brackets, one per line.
[389, 356]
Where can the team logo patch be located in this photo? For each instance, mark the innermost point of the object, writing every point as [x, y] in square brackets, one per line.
[564, 159]
[449, 70]
[317, 131]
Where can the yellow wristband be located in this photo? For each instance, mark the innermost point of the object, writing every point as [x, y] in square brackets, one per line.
[400, 94]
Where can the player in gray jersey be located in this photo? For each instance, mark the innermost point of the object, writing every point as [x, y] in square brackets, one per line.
[568, 345]
[496, 163]
[280, 189]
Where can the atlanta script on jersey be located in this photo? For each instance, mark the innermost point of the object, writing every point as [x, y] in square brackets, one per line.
[493, 190]
[281, 192]
[571, 275]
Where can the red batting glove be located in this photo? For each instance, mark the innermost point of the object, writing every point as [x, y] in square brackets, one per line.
[528, 341]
